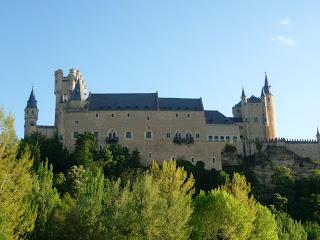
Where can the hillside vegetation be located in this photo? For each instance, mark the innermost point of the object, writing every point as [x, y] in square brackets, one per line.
[48, 193]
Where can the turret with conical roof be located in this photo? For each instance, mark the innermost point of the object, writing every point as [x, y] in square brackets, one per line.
[271, 122]
[266, 87]
[31, 115]
[78, 95]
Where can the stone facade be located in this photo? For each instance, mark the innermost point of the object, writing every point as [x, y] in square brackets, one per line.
[160, 128]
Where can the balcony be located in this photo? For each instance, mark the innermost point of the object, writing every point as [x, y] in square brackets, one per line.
[177, 140]
[112, 140]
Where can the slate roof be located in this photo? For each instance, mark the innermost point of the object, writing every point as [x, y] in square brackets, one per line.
[252, 99]
[32, 102]
[267, 86]
[215, 117]
[181, 104]
[123, 101]
[77, 93]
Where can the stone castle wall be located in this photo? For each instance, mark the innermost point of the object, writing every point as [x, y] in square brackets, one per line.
[305, 148]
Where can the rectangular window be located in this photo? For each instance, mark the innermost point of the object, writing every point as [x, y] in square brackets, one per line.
[228, 138]
[216, 138]
[97, 115]
[197, 135]
[75, 134]
[148, 135]
[255, 119]
[76, 122]
[168, 135]
[210, 138]
[235, 138]
[96, 134]
[222, 138]
[128, 135]
[240, 127]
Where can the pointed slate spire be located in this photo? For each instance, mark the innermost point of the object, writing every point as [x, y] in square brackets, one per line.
[243, 95]
[32, 102]
[266, 86]
[262, 93]
[77, 93]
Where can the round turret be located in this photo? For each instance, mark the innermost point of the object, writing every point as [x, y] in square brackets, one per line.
[31, 115]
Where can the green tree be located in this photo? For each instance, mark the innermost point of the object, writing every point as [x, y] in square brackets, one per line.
[86, 149]
[47, 199]
[47, 149]
[82, 220]
[313, 230]
[74, 179]
[289, 229]
[156, 204]
[134, 159]
[283, 181]
[219, 215]
[265, 224]
[17, 211]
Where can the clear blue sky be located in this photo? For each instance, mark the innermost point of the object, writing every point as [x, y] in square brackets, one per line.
[207, 49]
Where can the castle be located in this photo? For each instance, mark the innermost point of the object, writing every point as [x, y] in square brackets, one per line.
[161, 128]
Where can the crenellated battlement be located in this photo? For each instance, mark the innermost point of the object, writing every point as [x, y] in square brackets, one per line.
[287, 141]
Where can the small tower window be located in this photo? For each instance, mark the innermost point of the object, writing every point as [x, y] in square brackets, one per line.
[177, 115]
[149, 155]
[32, 112]
[168, 135]
[197, 135]
[75, 134]
[128, 115]
[97, 115]
[96, 134]
[188, 115]
[148, 118]
[192, 159]
[76, 122]
[172, 158]
[27, 112]
[112, 115]
[178, 135]
[213, 160]
[148, 135]
[128, 135]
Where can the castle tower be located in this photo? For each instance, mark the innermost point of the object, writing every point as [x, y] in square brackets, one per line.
[63, 88]
[270, 120]
[31, 115]
[244, 114]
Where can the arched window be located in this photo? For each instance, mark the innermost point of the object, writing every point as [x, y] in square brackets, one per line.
[188, 135]
[112, 134]
[178, 135]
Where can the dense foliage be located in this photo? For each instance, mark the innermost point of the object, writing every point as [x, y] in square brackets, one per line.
[47, 193]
